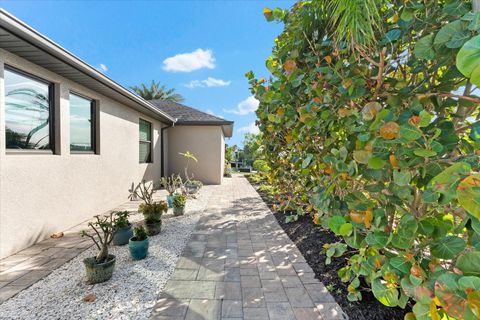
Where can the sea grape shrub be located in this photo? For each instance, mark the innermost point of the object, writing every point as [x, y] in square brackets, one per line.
[380, 144]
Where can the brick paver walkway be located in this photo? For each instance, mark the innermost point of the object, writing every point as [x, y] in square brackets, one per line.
[239, 264]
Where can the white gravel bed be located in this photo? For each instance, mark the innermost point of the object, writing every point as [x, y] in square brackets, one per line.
[129, 294]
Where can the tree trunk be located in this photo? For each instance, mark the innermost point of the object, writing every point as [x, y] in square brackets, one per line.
[102, 255]
[476, 5]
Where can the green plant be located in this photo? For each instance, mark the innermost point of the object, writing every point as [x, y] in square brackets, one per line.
[139, 233]
[380, 145]
[179, 201]
[157, 92]
[103, 228]
[189, 156]
[121, 219]
[261, 166]
[152, 212]
[172, 183]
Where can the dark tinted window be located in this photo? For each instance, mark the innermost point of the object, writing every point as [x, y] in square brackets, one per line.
[145, 146]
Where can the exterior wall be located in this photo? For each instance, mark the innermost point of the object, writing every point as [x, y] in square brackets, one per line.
[44, 193]
[206, 143]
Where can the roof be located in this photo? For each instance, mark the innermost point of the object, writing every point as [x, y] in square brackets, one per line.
[190, 116]
[22, 40]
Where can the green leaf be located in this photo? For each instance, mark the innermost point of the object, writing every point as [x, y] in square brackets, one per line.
[393, 35]
[307, 160]
[475, 131]
[447, 31]
[458, 39]
[468, 60]
[406, 15]
[455, 8]
[410, 132]
[401, 264]
[468, 194]
[402, 177]
[469, 263]
[424, 48]
[446, 181]
[469, 282]
[377, 239]
[424, 153]
[425, 118]
[430, 196]
[421, 311]
[362, 156]
[387, 296]
[448, 247]
[376, 163]
[335, 222]
[345, 229]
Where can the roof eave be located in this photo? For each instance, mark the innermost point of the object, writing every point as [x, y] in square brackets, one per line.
[30, 35]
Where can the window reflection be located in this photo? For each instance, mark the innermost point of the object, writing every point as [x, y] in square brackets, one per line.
[81, 124]
[27, 112]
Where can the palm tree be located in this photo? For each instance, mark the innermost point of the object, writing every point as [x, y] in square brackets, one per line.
[157, 91]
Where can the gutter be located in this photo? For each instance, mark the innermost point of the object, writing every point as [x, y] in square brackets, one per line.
[162, 150]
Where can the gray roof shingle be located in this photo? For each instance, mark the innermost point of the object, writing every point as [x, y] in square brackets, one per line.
[191, 116]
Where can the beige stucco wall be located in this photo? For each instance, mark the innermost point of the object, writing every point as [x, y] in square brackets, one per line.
[41, 194]
[206, 143]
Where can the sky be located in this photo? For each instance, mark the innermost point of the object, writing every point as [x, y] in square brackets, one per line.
[201, 48]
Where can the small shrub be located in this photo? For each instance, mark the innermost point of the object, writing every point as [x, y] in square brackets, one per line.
[153, 212]
[179, 201]
[261, 166]
[121, 220]
[139, 233]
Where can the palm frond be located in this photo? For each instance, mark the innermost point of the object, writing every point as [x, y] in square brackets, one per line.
[157, 91]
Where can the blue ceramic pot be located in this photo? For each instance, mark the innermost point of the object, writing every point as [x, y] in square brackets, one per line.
[138, 249]
[170, 200]
[121, 236]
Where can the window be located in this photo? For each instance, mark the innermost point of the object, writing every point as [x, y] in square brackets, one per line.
[28, 112]
[82, 124]
[145, 146]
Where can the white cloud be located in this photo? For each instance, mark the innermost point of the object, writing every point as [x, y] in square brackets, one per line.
[209, 82]
[252, 128]
[102, 68]
[187, 62]
[245, 107]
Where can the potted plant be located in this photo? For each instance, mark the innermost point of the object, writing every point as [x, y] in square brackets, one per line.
[138, 244]
[193, 186]
[179, 204]
[122, 228]
[100, 268]
[152, 211]
[171, 184]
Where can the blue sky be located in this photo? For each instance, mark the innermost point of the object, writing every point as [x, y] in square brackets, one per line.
[201, 48]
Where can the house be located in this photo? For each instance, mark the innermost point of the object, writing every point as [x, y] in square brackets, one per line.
[72, 140]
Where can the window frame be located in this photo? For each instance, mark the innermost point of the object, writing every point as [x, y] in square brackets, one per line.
[93, 122]
[150, 158]
[51, 112]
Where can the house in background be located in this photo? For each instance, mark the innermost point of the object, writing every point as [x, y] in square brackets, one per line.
[200, 133]
[72, 141]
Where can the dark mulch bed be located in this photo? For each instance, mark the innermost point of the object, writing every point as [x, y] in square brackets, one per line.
[310, 238]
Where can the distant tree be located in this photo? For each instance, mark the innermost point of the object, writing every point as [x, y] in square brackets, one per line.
[157, 91]
[251, 147]
[230, 152]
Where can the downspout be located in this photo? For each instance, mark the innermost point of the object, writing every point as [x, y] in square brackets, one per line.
[162, 156]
